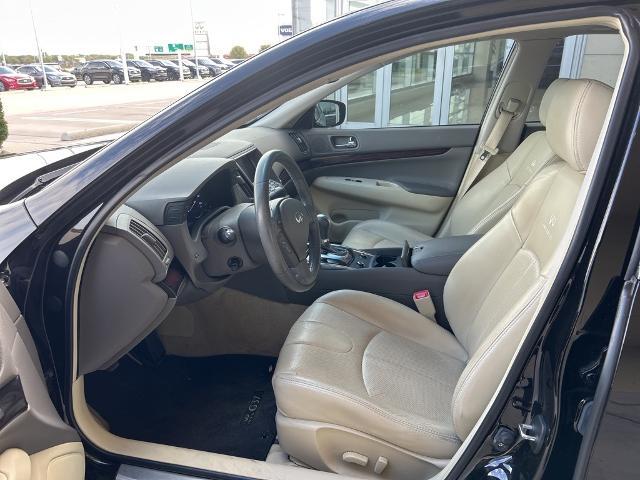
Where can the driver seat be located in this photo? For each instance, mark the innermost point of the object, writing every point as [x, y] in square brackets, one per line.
[368, 387]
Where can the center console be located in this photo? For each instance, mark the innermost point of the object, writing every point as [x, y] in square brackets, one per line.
[391, 272]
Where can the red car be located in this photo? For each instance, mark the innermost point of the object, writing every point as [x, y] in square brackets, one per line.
[10, 80]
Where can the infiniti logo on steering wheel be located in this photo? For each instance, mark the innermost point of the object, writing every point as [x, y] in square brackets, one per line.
[299, 217]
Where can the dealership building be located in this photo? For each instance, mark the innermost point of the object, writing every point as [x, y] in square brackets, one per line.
[450, 85]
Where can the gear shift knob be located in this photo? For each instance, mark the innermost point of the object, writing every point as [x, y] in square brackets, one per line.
[323, 226]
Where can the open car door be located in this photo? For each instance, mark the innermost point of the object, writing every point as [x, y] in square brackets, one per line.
[35, 444]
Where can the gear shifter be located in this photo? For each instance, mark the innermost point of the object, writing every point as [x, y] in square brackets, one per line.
[323, 225]
[331, 253]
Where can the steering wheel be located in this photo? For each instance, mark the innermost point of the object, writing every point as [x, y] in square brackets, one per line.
[287, 227]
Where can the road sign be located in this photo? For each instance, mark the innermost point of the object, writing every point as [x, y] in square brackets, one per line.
[158, 49]
[286, 30]
[175, 47]
[188, 47]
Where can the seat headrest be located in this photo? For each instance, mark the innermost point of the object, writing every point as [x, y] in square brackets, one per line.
[575, 118]
[547, 99]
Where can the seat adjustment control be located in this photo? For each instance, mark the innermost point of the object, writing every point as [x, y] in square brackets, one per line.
[380, 465]
[356, 458]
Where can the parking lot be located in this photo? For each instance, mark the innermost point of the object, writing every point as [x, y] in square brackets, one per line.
[65, 116]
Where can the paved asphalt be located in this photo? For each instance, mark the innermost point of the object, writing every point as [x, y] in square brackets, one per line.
[38, 119]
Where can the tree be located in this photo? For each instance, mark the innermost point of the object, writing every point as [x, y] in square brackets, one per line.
[238, 52]
[4, 130]
[264, 47]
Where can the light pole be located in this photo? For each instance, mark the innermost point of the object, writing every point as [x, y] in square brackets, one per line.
[195, 46]
[123, 55]
[45, 84]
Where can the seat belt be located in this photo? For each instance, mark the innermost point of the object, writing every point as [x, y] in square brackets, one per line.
[490, 147]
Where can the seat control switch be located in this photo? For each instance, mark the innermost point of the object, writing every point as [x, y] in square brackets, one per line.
[380, 465]
[356, 458]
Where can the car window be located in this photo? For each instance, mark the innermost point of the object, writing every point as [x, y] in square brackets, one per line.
[445, 86]
[597, 56]
[6, 70]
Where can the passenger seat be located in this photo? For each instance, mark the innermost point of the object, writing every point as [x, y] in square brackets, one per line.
[483, 205]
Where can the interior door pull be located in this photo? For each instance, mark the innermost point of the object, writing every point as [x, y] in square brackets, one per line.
[348, 141]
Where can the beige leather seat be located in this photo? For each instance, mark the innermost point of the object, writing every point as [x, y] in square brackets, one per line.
[483, 205]
[363, 382]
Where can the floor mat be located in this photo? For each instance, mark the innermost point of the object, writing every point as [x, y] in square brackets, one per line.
[221, 404]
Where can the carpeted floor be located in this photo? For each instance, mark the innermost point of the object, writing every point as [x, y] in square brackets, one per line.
[222, 404]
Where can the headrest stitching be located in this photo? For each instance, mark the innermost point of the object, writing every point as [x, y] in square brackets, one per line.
[575, 125]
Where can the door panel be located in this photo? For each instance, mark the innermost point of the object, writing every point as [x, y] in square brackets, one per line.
[34, 442]
[407, 175]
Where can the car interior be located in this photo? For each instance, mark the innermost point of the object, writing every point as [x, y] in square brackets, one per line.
[341, 284]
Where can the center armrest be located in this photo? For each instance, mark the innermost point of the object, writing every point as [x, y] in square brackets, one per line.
[438, 256]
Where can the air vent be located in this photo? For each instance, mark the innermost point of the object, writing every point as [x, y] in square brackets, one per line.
[300, 141]
[148, 237]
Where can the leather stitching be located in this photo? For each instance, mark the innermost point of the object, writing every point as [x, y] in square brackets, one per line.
[490, 348]
[576, 120]
[338, 393]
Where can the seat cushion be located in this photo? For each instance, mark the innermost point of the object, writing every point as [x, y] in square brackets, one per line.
[381, 234]
[370, 364]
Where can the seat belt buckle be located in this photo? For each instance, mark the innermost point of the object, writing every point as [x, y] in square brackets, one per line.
[487, 152]
[424, 304]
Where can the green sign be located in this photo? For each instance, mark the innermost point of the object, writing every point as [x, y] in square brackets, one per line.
[158, 49]
[175, 47]
[188, 47]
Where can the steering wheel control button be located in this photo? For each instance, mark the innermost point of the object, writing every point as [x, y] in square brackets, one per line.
[227, 235]
[234, 263]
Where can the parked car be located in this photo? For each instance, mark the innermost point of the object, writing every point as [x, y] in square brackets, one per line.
[148, 71]
[12, 80]
[204, 71]
[222, 63]
[77, 71]
[108, 71]
[214, 68]
[172, 306]
[55, 77]
[173, 71]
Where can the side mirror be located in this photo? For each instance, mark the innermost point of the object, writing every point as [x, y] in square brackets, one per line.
[329, 113]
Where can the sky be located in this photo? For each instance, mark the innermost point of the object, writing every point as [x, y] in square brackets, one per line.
[90, 26]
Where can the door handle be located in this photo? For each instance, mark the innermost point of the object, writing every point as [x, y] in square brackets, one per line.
[347, 141]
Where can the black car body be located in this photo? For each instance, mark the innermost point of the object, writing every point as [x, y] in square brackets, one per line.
[214, 68]
[173, 71]
[77, 71]
[546, 416]
[147, 71]
[55, 77]
[107, 71]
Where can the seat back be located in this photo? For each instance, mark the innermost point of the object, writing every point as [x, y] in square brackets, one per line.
[492, 293]
[487, 201]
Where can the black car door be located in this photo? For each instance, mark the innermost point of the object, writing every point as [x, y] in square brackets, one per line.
[409, 133]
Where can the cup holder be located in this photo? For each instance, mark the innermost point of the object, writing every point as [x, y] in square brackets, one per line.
[386, 261]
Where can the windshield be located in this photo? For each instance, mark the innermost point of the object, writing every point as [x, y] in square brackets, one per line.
[185, 62]
[167, 63]
[50, 69]
[205, 61]
[113, 63]
[142, 63]
[6, 70]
